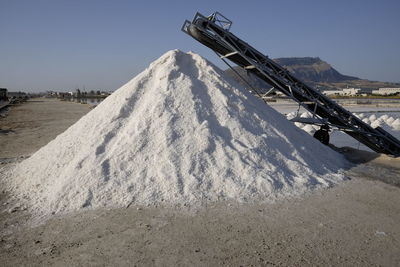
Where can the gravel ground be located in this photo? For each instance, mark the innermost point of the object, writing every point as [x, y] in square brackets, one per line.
[353, 224]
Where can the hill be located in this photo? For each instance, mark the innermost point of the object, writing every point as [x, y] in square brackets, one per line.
[315, 72]
[313, 69]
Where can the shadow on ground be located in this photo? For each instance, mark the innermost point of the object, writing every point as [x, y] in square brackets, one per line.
[372, 166]
[6, 131]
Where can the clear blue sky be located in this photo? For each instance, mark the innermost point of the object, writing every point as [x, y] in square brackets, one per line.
[63, 45]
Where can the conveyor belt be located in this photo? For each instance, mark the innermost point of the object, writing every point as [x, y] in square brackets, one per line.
[213, 32]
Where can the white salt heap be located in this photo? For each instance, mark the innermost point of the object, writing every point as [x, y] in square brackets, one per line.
[178, 133]
[384, 121]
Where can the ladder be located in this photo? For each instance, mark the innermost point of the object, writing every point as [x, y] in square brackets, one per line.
[214, 32]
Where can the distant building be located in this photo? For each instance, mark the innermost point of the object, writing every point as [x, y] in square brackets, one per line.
[333, 92]
[386, 91]
[344, 92]
[351, 91]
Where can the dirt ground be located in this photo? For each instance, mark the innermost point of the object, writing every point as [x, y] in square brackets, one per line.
[353, 224]
[31, 125]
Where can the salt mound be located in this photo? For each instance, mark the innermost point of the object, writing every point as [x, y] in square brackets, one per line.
[178, 133]
[396, 124]
[372, 118]
[376, 123]
[384, 117]
[291, 115]
[360, 115]
[309, 129]
[389, 121]
[366, 120]
[306, 115]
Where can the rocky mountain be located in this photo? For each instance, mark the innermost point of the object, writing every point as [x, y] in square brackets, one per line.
[313, 71]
